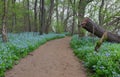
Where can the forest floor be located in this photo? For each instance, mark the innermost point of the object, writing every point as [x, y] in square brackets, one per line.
[53, 59]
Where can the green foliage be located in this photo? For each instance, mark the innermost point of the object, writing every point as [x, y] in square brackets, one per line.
[19, 46]
[109, 12]
[105, 63]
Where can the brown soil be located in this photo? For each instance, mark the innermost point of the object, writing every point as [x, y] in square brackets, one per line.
[53, 59]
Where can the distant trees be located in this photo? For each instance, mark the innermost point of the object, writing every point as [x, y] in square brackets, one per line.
[103, 12]
[46, 16]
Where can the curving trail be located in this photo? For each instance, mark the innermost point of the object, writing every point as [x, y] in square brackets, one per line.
[53, 59]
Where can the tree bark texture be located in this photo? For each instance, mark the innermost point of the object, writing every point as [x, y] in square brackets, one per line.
[92, 27]
[81, 12]
[48, 23]
[4, 30]
[42, 25]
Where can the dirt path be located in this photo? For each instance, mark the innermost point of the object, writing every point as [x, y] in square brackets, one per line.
[53, 59]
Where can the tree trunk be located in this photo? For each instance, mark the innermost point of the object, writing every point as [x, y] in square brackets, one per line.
[35, 15]
[90, 26]
[42, 24]
[81, 12]
[28, 16]
[13, 15]
[67, 18]
[57, 14]
[101, 17]
[24, 17]
[48, 23]
[4, 30]
[73, 24]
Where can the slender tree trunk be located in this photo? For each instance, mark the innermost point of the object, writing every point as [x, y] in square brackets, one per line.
[57, 15]
[101, 18]
[13, 15]
[39, 16]
[28, 16]
[35, 15]
[65, 21]
[81, 12]
[4, 18]
[73, 24]
[24, 18]
[62, 13]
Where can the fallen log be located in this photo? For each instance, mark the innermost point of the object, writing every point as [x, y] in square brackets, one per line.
[92, 27]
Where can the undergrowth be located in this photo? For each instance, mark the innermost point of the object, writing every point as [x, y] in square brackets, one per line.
[19, 46]
[105, 63]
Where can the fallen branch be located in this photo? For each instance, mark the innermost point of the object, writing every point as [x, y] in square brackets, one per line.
[90, 26]
[99, 43]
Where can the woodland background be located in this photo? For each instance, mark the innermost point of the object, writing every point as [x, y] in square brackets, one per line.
[58, 16]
